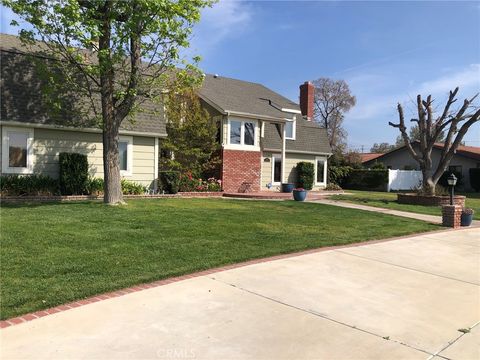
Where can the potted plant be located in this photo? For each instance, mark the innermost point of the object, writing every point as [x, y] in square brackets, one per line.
[299, 194]
[287, 187]
[467, 217]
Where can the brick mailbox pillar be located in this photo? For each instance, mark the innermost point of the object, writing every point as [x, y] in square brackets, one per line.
[451, 215]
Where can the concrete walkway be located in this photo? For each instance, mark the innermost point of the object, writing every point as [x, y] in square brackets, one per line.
[428, 218]
[399, 299]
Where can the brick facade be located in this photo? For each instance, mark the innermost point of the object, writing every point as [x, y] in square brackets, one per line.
[451, 215]
[241, 170]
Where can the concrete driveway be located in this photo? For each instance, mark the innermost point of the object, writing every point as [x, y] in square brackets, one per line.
[401, 299]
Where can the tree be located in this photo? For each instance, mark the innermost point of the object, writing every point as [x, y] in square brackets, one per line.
[381, 148]
[192, 132]
[332, 100]
[414, 134]
[133, 50]
[456, 124]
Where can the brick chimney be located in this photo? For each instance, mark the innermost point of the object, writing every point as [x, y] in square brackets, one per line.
[307, 93]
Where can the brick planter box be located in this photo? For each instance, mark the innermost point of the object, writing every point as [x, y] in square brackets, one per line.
[59, 198]
[414, 199]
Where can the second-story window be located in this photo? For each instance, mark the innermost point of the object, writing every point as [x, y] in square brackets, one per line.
[290, 130]
[242, 132]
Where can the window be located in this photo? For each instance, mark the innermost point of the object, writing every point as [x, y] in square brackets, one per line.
[290, 130]
[321, 169]
[125, 155]
[242, 132]
[276, 169]
[17, 150]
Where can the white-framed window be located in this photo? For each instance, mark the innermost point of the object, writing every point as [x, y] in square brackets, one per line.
[276, 169]
[17, 150]
[125, 155]
[320, 171]
[290, 129]
[242, 132]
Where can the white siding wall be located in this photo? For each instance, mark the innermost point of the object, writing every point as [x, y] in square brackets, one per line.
[49, 143]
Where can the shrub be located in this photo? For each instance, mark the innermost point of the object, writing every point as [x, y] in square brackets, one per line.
[306, 175]
[94, 186]
[73, 173]
[361, 179]
[190, 183]
[378, 166]
[338, 174]
[474, 178]
[333, 187]
[132, 188]
[28, 185]
[169, 181]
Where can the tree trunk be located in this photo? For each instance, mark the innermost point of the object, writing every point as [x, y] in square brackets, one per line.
[428, 185]
[111, 166]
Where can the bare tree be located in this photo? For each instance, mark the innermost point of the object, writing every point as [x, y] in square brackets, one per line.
[430, 128]
[332, 100]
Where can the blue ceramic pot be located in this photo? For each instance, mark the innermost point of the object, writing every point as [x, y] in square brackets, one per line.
[287, 187]
[466, 219]
[299, 195]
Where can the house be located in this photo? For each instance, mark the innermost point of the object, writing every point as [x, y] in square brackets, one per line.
[465, 158]
[263, 135]
[367, 157]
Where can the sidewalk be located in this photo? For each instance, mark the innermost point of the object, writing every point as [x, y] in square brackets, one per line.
[429, 218]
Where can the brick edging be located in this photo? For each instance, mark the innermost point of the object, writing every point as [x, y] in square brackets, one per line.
[117, 293]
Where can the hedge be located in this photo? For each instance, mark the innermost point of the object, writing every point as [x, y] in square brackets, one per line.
[475, 178]
[361, 179]
[338, 174]
[169, 181]
[28, 185]
[73, 174]
[306, 175]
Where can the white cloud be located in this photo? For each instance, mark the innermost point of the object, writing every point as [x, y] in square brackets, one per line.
[226, 19]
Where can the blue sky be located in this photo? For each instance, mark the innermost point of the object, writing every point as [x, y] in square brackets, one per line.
[387, 51]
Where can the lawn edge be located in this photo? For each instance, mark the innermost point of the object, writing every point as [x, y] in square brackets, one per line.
[140, 287]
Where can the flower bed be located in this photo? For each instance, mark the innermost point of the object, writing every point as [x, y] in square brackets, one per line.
[414, 199]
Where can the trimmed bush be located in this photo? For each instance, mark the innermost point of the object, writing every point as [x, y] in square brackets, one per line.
[306, 175]
[73, 173]
[28, 185]
[338, 174]
[169, 181]
[360, 179]
[132, 188]
[475, 178]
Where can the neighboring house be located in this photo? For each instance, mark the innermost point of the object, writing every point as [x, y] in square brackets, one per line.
[263, 135]
[465, 158]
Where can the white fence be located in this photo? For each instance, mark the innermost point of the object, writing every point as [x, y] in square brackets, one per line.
[404, 179]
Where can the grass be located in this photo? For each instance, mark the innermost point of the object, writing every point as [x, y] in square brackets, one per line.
[389, 201]
[56, 253]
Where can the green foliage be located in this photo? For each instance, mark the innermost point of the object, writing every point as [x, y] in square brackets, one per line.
[188, 183]
[378, 166]
[191, 135]
[73, 174]
[28, 185]
[361, 179]
[94, 186]
[333, 187]
[169, 181]
[338, 174]
[132, 188]
[475, 178]
[306, 175]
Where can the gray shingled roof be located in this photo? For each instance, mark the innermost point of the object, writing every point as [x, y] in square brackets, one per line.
[310, 137]
[245, 97]
[21, 89]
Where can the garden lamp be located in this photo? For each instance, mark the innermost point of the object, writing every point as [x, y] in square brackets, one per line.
[452, 181]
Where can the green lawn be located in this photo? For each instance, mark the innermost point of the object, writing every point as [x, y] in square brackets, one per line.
[56, 253]
[389, 201]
